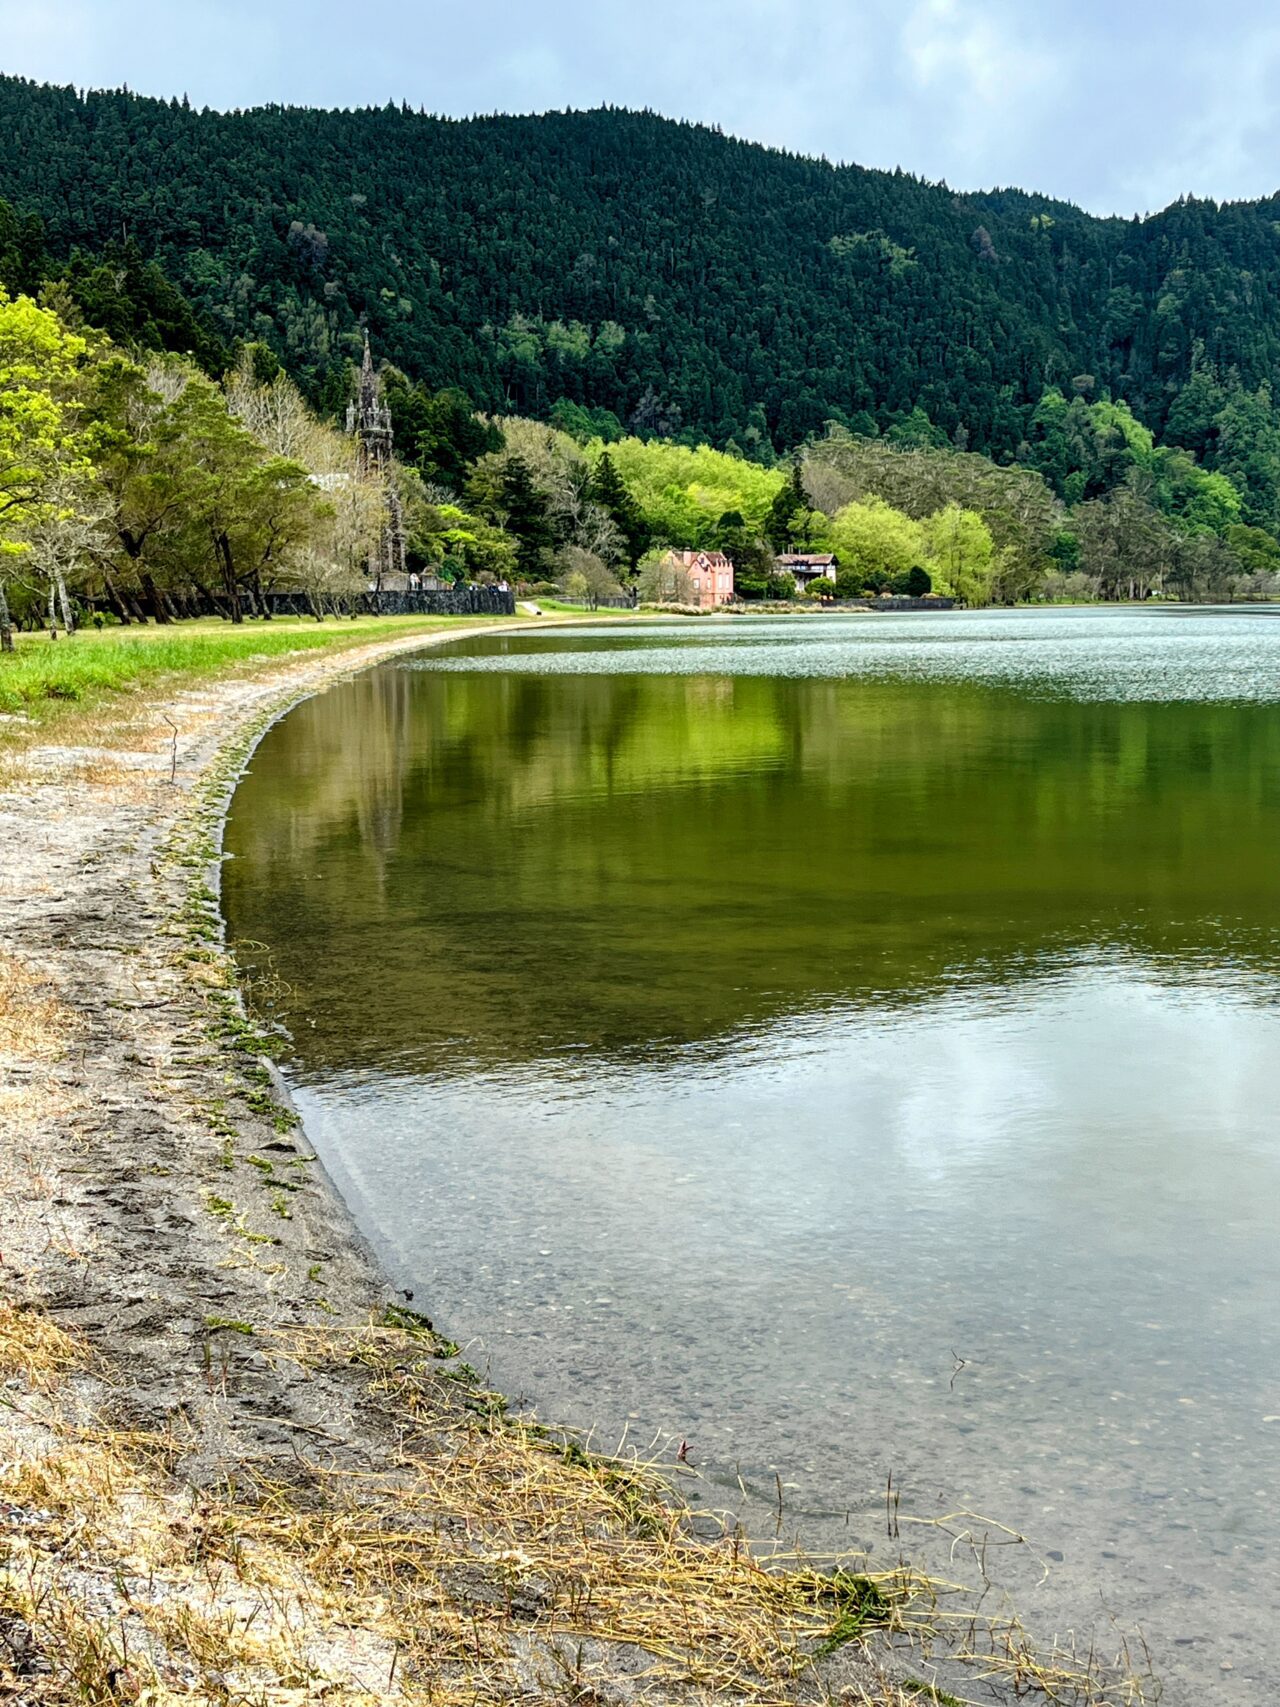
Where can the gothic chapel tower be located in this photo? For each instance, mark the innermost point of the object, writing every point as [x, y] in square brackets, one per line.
[370, 420]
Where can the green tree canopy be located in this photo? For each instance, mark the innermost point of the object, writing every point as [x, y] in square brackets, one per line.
[875, 541]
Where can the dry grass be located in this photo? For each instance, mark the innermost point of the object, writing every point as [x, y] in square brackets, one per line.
[34, 1025]
[35, 1031]
[34, 1348]
[482, 1563]
[486, 1561]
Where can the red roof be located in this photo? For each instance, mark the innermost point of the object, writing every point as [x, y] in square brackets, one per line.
[702, 559]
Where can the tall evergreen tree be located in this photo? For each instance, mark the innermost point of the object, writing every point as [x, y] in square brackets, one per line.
[526, 517]
[792, 501]
[610, 491]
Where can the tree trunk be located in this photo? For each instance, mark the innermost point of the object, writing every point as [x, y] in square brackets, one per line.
[116, 602]
[229, 583]
[6, 623]
[68, 615]
[212, 599]
[153, 596]
[53, 611]
[133, 549]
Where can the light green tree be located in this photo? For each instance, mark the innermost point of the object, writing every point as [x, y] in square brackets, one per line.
[42, 438]
[682, 491]
[445, 532]
[875, 541]
[1197, 500]
[959, 546]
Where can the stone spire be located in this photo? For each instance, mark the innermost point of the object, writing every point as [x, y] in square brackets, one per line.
[369, 419]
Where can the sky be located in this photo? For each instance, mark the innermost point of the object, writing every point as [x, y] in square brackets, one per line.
[1119, 105]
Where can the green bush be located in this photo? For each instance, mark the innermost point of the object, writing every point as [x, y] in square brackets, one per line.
[850, 584]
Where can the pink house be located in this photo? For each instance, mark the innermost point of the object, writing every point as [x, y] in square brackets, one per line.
[711, 575]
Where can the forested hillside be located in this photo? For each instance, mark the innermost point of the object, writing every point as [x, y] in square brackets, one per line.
[681, 280]
[603, 334]
[118, 290]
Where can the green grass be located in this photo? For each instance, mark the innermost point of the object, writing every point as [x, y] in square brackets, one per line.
[562, 607]
[44, 677]
[930, 1692]
[862, 1603]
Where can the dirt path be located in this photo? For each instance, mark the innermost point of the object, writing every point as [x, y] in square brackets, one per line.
[201, 1367]
[142, 1110]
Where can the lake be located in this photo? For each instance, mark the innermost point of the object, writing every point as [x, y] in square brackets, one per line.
[845, 1044]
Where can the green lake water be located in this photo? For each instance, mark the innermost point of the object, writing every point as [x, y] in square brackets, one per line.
[845, 1044]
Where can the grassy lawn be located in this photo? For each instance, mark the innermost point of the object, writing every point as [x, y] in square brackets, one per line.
[562, 607]
[44, 678]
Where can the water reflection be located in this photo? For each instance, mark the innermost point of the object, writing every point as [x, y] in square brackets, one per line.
[831, 1019]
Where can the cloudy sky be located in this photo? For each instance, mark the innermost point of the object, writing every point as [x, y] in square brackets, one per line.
[1120, 105]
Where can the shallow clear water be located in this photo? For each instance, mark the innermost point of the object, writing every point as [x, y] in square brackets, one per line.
[845, 1044]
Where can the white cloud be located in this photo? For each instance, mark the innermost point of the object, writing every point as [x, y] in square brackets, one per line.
[980, 80]
[993, 66]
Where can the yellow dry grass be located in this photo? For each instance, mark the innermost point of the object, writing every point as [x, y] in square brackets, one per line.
[34, 1025]
[34, 1348]
[484, 1561]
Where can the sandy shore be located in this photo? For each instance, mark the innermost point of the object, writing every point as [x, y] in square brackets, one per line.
[230, 1468]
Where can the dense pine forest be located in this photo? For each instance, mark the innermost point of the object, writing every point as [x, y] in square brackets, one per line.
[725, 344]
[650, 268]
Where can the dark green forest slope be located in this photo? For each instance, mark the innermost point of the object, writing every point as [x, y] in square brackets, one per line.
[686, 282]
